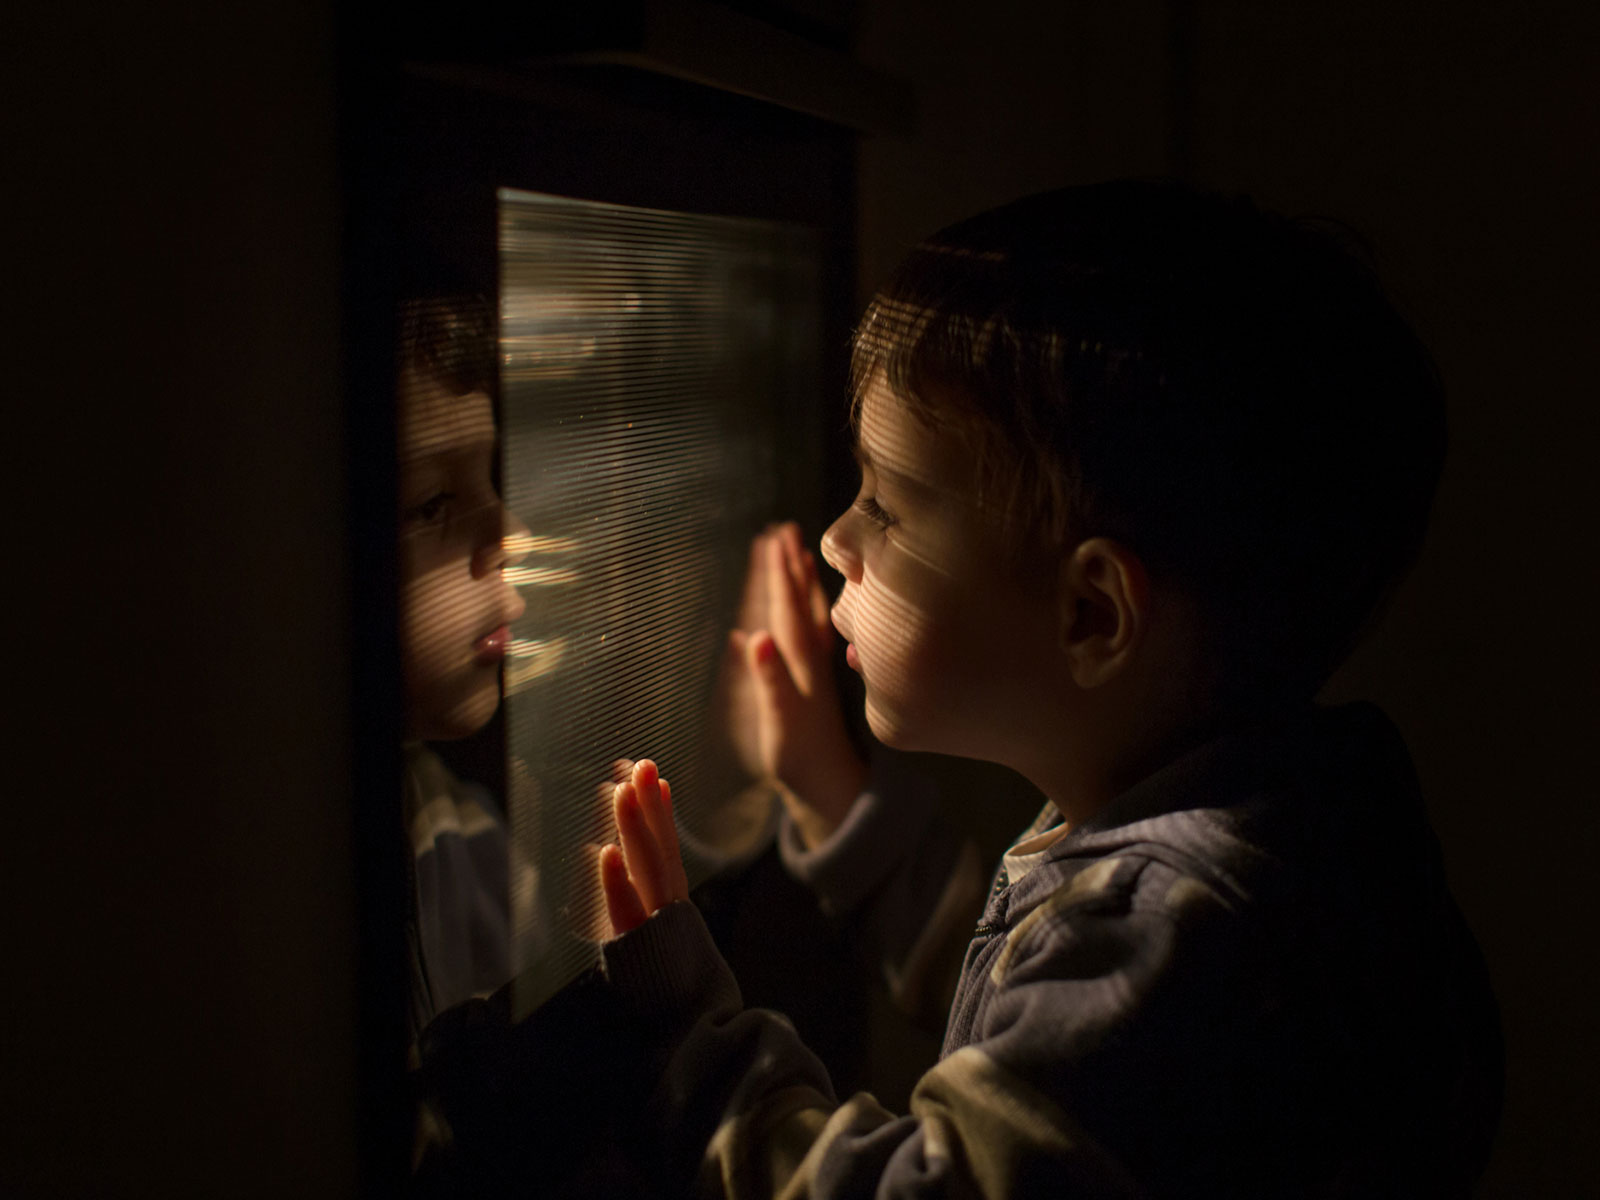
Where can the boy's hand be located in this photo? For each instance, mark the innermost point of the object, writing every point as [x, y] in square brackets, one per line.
[645, 873]
[799, 734]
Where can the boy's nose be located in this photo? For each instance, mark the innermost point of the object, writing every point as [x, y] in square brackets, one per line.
[838, 550]
[516, 540]
[505, 544]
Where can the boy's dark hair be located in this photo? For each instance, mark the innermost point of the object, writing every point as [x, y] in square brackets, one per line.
[1226, 392]
[450, 339]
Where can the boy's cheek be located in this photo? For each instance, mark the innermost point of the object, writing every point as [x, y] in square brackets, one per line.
[432, 625]
[423, 555]
[897, 631]
[913, 580]
[843, 612]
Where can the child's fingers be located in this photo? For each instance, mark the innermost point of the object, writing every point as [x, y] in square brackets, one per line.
[810, 604]
[623, 906]
[801, 572]
[776, 691]
[647, 782]
[639, 848]
[753, 599]
[821, 609]
[788, 612]
[793, 550]
[669, 842]
[780, 584]
[677, 878]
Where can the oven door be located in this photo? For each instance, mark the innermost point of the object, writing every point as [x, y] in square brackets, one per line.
[666, 271]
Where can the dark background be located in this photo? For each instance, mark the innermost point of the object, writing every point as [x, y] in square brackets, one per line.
[181, 942]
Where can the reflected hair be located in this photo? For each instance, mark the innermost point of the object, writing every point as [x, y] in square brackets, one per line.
[1226, 392]
[450, 339]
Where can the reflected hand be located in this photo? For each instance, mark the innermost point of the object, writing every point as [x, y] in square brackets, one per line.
[588, 921]
[799, 737]
[645, 873]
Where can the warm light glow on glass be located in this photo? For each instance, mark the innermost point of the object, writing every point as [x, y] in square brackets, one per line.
[648, 359]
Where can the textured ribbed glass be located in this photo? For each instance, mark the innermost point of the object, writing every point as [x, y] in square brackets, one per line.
[648, 361]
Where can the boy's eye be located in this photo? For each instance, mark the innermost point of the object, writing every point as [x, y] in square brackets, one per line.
[432, 508]
[874, 512]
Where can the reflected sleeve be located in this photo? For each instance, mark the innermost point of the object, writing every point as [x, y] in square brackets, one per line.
[908, 888]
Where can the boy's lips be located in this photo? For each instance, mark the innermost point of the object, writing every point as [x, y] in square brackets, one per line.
[850, 655]
[491, 647]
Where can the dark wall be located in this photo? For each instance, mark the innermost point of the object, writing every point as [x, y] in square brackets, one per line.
[179, 942]
[1460, 138]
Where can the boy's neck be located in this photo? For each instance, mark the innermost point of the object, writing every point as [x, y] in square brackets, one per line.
[1100, 759]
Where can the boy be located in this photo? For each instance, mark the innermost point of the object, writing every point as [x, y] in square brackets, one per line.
[456, 607]
[1139, 465]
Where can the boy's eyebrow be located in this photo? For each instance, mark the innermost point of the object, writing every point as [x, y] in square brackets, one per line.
[446, 449]
[866, 462]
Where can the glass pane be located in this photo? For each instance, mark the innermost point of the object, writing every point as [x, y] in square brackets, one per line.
[652, 362]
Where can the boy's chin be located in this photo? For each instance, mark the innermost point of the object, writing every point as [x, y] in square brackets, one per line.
[891, 730]
[916, 733]
[458, 719]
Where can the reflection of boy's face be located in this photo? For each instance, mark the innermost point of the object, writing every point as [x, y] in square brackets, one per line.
[454, 601]
[950, 640]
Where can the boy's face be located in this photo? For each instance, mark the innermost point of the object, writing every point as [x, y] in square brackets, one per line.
[455, 603]
[951, 639]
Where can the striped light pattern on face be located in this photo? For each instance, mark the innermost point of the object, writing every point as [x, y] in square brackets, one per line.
[650, 362]
[948, 634]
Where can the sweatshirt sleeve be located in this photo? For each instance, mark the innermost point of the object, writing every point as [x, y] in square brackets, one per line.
[906, 885]
[743, 1110]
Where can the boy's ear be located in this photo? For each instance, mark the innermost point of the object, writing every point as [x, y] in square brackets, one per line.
[1103, 609]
